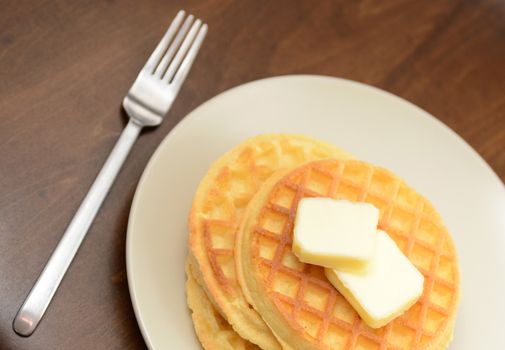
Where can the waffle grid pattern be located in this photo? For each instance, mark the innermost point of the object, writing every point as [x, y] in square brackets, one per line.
[330, 319]
[237, 184]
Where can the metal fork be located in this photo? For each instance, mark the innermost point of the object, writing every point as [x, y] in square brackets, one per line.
[146, 104]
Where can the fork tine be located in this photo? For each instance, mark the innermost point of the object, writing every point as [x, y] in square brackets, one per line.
[182, 51]
[155, 57]
[172, 49]
[185, 66]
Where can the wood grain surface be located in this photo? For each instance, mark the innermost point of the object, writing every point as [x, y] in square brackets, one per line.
[66, 65]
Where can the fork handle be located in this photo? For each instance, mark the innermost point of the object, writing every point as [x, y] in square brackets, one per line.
[37, 301]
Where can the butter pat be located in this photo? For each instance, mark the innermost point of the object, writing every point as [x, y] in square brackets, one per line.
[389, 287]
[335, 233]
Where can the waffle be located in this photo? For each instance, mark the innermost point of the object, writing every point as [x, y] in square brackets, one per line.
[297, 301]
[217, 208]
[211, 328]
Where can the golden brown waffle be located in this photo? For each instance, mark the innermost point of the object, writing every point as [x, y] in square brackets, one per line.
[217, 209]
[212, 329]
[297, 301]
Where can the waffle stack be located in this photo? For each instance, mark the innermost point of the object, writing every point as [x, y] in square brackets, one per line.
[248, 291]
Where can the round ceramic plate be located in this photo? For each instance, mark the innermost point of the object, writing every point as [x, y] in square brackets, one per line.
[373, 125]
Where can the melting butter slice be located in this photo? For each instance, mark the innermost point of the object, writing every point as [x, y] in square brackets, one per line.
[335, 233]
[389, 287]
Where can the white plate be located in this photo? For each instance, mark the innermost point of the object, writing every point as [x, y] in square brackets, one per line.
[371, 124]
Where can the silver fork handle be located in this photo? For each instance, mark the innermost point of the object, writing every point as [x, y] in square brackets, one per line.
[36, 303]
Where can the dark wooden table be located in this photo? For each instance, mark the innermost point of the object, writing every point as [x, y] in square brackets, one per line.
[66, 65]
